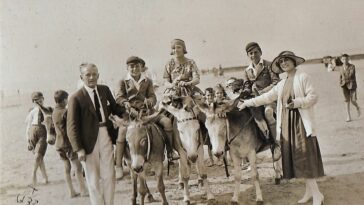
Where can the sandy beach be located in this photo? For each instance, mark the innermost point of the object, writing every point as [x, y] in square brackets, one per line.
[341, 146]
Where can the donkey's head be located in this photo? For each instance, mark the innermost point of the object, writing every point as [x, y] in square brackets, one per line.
[48, 122]
[138, 140]
[189, 129]
[217, 125]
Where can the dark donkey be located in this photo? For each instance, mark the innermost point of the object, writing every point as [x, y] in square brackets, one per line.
[145, 145]
[237, 131]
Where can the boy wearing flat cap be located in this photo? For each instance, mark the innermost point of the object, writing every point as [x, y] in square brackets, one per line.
[260, 74]
[36, 135]
[348, 85]
[136, 94]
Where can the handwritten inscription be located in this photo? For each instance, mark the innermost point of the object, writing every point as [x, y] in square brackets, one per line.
[28, 197]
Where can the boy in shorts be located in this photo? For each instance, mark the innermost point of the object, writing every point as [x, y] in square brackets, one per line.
[36, 135]
[348, 85]
[63, 146]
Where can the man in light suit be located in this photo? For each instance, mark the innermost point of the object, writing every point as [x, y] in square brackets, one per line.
[91, 134]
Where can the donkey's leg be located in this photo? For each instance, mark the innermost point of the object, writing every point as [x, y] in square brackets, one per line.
[160, 184]
[142, 187]
[134, 178]
[183, 164]
[237, 160]
[184, 168]
[255, 176]
[150, 197]
[201, 170]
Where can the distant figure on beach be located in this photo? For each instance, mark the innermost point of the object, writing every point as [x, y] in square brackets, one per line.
[150, 74]
[329, 63]
[63, 145]
[348, 85]
[221, 71]
[36, 135]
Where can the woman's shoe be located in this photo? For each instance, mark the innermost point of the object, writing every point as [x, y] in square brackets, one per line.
[319, 201]
[305, 199]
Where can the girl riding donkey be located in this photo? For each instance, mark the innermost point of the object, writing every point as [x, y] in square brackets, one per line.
[181, 77]
[136, 94]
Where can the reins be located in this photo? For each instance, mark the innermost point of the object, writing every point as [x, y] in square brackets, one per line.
[230, 140]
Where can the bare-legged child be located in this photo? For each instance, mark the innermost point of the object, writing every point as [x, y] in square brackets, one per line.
[63, 145]
[348, 85]
[36, 135]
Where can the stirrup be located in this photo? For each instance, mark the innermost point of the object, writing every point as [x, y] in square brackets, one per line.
[172, 156]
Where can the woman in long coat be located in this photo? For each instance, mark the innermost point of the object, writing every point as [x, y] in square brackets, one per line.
[296, 97]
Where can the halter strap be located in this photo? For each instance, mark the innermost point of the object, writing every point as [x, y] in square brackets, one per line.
[149, 144]
[229, 141]
[186, 119]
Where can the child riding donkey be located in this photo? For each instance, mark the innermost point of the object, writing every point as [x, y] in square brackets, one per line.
[262, 79]
[136, 94]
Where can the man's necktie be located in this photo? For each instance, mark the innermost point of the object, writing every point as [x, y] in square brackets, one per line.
[97, 106]
[40, 117]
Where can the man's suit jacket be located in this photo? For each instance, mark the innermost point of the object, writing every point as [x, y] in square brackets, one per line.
[347, 77]
[82, 121]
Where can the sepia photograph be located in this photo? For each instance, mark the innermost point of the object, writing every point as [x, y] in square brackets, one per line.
[185, 102]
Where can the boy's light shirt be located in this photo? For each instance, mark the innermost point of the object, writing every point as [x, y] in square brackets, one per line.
[136, 83]
[31, 119]
[251, 66]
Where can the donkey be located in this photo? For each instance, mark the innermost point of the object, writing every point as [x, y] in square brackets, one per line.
[238, 132]
[189, 144]
[48, 122]
[146, 145]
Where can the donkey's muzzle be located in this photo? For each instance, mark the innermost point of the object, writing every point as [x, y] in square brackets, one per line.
[218, 154]
[138, 168]
[193, 158]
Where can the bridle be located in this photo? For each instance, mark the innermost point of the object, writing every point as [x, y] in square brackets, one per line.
[149, 143]
[229, 140]
[199, 131]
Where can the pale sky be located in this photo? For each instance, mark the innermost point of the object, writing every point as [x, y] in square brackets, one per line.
[43, 42]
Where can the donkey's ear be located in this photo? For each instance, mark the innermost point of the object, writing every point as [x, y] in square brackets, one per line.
[202, 106]
[229, 105]
[169, 108]
[117, 121]
[45, 110]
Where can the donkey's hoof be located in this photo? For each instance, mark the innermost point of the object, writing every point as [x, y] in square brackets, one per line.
[277, 181]
[200, 182]
[181, 186]
[234, 203]
[150, 198]
[211, 201]
[260, 202]
[165, 203]
[187, 202]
